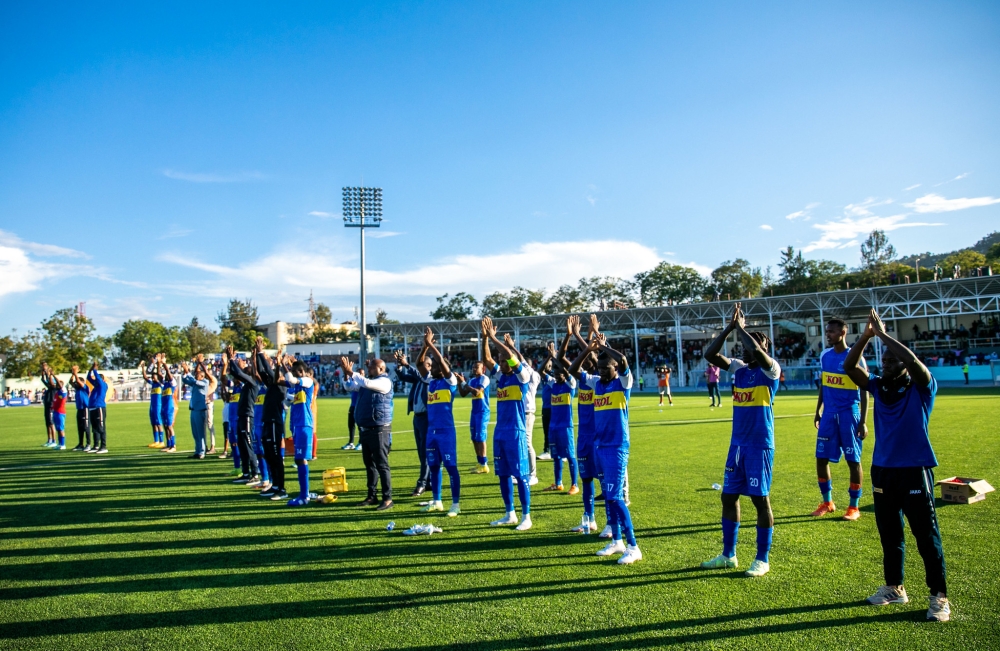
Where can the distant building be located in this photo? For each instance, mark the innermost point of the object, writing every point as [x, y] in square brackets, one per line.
[282, 333]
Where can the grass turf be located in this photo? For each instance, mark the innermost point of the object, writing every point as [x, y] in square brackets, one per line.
[140, 549]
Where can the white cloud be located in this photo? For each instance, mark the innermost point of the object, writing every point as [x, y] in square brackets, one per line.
[211, 177]
[48, 250]
[176, 231]
[377, 234]
[290, 272]
[766, 227]
[20, 271]
[325, 215]
[591, 200]
[802, 213]
[842, 233]
[936, 203]
[704, 270]
[912, 187]
[957, 178]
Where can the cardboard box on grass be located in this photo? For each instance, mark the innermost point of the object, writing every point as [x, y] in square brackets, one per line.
[964, 490]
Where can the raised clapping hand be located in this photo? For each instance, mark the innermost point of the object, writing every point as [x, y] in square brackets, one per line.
[428, 337]
[345, 364]
[461, 378]
[876, 324]
[75, 369]
[551, 348]
[739, 320]
[489, 330]
[595, 325]
[573, 324]
[400, 358]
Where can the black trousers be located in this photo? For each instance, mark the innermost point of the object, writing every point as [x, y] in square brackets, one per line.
[98, 427]
[350, 423]
[83, 426]
[248, 459]
[908, 492]
[272, 440]
[546, 419]
[713, 392]
[375, 453]
[420, 437]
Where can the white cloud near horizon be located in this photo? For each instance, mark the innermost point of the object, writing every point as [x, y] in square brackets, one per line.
[285, 272]
[21, 271]
[858, 220]
[48, 250]
[932, 203]
[912, 187]
[802, 213]
[766, 227]
[212, 177]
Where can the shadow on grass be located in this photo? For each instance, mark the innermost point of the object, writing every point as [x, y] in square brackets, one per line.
[596, 640]
[610, 638]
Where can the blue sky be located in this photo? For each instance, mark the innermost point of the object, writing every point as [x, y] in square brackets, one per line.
[156, 161]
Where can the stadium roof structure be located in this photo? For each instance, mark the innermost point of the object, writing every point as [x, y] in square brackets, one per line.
[912, 300]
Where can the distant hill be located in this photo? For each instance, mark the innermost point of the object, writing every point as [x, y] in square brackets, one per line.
[930, 259]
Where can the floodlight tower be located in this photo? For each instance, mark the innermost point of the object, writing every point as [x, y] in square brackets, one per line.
[362, 209]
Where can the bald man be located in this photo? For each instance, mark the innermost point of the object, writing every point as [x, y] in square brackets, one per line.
[373, 414]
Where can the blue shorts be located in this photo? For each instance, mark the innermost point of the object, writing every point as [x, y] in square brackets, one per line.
[748, 471]
[612, 464]
[561, 436]
[59, 421]
[838, 432]
[510, 457]
[478, 431]
[585, 459]
[154, 418]
[302, 438]
[167, 417]
[441, 448]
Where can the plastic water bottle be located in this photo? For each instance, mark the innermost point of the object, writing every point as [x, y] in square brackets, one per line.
[716, 487]
[390, 526]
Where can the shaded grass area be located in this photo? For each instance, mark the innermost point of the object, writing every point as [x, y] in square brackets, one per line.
[140, 549]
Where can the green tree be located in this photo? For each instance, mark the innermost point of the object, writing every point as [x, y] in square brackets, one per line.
[993, 254]
[967, 259]
[737, 279]
[566, 300]
[381, 316]
[24, 354]
[519, 302]
[876, 254]
[606, 291]
[323, 315]
[798, 275]
[139, 339]
[669, 283]
[70, 339]
[201, 340]
[238, 325]
[459, 307]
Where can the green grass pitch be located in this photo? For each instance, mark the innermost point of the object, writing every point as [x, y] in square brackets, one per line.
[141, 549]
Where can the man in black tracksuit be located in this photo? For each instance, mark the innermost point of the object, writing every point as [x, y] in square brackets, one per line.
[273, 432]
[244, 415]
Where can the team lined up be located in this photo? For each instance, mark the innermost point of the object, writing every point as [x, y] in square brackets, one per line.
[598, 448]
